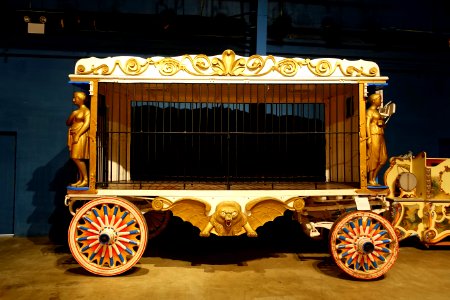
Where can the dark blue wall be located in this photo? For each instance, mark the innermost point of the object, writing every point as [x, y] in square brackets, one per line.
[34, 103]
[423, 110]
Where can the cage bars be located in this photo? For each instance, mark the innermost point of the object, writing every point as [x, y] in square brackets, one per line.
[228, 132]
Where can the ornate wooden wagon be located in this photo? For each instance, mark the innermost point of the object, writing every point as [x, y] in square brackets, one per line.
[227, 143]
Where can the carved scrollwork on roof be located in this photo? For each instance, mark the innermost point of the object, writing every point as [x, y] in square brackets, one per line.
[227, 64]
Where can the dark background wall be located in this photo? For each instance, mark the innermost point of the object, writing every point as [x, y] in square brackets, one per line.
[408, 39]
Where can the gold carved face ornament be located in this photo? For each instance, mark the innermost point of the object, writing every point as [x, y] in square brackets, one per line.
[228, 214]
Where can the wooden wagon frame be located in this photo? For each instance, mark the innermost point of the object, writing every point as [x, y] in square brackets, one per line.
[319, 174]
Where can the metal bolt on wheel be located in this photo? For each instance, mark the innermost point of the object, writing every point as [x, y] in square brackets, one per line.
[363, 244]
[108, 236]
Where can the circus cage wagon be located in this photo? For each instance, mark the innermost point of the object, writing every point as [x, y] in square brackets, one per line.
[228, 143]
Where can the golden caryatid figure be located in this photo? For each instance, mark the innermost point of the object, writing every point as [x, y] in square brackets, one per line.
[78, 137]
[376, 146]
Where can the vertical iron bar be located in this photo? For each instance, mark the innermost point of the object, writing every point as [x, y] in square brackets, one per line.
[127, 132]
[192, 105]
[214, 115]
[228, 135]
[329, 133]
[343, 105]
[109, 133]
[120, 132]
[354, 132]
[286, 117]
[184, 130]
[117, 99]
[199, 128]
[236, 137]
[337, 140]
[155, 107]
[164, 116]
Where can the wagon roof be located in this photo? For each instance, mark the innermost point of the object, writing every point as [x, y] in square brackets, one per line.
[227, 67]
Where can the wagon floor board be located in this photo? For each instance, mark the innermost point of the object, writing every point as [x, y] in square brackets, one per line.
[176, 185]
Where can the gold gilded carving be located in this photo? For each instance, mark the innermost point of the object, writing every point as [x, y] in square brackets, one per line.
[168, 66]
[298, 203]
[263, 210]
[81, 69]
[429, 235]
[288, 67]
[323, 67]
[102, 69]
[133, 67]
[78, 137]
[352, 70]
[157, 204]
[376, 146]
[192, 210]
[228, 220]
[255, 64]
[229, 65]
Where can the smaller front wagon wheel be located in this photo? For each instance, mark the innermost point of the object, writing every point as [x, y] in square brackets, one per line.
[107, 236]
[363, 244]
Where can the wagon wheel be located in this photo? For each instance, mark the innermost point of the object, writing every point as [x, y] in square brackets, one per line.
[156, 222]
[363, 244]
[107, 236]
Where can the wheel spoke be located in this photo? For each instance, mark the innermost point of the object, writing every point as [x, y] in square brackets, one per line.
[121, 219]
[113, 217]
[88, 229]
[104, 247]
[124, 248]
[350, 260]
[353, 226]
[367, 221]
[128, 240]
[385, 241]
[111, 257]
[91, 222]
[375, 229]
[105, 212]
[99, 219]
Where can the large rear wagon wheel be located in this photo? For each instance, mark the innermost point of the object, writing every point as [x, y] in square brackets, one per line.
[363, 244]
[107, 236]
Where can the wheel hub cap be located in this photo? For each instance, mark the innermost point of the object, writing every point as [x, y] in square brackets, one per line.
[107, 236]
[365, 245]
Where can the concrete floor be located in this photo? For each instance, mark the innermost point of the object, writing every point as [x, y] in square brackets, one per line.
[179, 265]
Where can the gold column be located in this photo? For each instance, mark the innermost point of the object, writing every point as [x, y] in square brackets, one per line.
[93, 136]
[362, 137]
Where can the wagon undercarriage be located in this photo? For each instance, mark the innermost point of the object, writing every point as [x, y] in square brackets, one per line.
[364, 242]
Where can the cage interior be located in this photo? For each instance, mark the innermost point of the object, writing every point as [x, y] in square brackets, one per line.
[228, 134]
